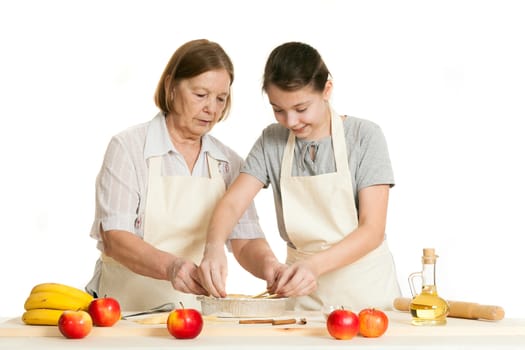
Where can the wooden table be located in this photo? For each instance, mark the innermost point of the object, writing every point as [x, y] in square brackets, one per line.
[224, 333]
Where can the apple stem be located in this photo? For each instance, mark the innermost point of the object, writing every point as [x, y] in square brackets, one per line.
[181, 304]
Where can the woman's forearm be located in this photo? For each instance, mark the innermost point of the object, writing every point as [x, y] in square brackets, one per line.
[137, 255]
[254, 255]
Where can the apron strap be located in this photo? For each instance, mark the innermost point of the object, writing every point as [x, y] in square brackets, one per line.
[286, 164]
[339, 144]
[213, 167]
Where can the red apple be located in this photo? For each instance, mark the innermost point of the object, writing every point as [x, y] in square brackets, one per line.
[184, 323]
[372, 322]
[105, 312]
[75, 324]
[342, 324]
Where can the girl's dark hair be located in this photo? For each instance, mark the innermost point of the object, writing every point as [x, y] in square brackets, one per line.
[191, 59]
[294, 65]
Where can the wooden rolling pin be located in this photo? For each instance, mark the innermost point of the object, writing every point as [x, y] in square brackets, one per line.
[461, 309]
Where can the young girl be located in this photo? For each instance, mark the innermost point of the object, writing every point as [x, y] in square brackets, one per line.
[330, 176]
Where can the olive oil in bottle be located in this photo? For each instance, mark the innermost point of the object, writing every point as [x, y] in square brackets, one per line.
[427, 307]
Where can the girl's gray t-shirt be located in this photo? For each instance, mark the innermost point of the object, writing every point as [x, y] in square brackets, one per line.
[367, 152]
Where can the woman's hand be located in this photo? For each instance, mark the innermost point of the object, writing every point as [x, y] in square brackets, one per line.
[271, 273]
[298, 279]
[213, 270]
[185, 278]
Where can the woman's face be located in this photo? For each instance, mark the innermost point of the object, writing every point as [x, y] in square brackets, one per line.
[200, 102]
[305, 112]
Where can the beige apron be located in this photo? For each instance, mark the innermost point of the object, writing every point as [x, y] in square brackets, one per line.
[178, 210]
[318, 212]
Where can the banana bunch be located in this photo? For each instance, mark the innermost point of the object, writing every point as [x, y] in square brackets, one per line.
[47, 301]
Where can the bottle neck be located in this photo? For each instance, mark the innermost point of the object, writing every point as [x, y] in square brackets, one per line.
[428, 276]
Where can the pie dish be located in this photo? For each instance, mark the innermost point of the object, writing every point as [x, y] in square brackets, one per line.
[240, 305]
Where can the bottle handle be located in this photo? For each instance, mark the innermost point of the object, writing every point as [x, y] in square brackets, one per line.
[411, 282]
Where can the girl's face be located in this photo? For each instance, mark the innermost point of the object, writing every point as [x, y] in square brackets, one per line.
[305, 112]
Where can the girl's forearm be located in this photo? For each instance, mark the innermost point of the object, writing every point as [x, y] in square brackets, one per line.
[222, 222]
[353, 247]
[231, 207]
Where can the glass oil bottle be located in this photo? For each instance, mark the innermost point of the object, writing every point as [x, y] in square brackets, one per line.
[427, 308]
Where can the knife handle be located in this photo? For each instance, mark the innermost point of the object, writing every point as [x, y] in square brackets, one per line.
[461, 309]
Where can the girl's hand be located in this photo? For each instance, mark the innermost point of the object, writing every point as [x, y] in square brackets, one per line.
[297, 280]
[213, 270]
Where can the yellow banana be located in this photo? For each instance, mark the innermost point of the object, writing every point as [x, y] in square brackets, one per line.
[64, 289]
[55, 300]
[42, 317]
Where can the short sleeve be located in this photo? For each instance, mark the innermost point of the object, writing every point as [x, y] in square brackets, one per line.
[117, 192]
[374, 165]
[255, 164]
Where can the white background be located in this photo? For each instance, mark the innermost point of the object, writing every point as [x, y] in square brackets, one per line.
[444, 79]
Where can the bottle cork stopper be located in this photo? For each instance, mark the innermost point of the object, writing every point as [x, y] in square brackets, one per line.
[429, 255]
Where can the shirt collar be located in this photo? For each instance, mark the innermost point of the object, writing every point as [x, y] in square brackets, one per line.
[158, 141]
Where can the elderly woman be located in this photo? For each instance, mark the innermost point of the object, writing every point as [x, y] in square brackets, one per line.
[159, 183]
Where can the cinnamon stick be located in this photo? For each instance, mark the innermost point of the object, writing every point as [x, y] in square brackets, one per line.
[259, 321]
[287, 321]
[272, 321]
